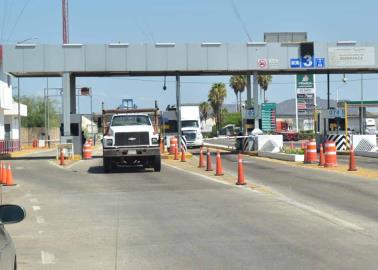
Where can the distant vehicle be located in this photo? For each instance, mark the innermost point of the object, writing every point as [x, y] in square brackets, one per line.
[229, 130]
[8, 214]
[131, 139]
[190, 124]
[370, 126]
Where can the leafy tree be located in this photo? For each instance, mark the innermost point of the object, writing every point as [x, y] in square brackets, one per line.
[238, 84]
[36, 112]
[264, 81]
[204, 108]
[216, 97]
[232, 118]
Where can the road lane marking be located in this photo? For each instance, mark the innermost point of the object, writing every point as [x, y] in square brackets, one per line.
[47, 258]
[36, 207]
[40, 220]
[331, 218]
[33, 200]
[326, 216]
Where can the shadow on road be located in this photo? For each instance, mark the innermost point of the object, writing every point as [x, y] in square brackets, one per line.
[100, 170]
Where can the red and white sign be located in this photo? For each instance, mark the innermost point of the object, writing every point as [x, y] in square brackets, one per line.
[262, 63]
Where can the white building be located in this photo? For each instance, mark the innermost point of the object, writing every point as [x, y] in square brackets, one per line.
[9, 126]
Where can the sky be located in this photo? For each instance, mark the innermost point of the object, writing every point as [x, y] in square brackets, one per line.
[180, 21]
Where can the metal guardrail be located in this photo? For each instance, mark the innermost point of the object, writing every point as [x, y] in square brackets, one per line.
[8, 146]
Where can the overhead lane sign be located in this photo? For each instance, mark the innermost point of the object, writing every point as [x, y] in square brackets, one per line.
[308, 62]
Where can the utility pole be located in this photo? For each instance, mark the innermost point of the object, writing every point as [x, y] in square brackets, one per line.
[65, 21]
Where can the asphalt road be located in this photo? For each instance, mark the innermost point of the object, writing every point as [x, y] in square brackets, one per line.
[81, 218]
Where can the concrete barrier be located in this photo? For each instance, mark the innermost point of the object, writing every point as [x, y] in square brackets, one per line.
[269, 143]
[366, 154]
[282, 156]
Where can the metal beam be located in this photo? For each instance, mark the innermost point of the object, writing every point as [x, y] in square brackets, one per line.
[178, 110]
[66, 99]
[256, 99]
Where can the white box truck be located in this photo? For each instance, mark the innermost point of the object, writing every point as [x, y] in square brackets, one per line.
[190, 124]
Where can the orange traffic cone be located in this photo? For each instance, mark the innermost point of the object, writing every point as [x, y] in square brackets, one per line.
[201, 163]
[61, 158]
[161, 146]
[1, 173]
[241, 180]
[321, 156]
[352, 160]
[218, 169]
[209, 166]
[183, 157]
[9, 176]
[176, 154]
[305, 155]
[4, 173]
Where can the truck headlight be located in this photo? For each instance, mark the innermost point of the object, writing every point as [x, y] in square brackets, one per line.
[154, 141]
[108, 142]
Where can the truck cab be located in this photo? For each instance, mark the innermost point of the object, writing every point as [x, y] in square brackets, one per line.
[131, 139]
[190, 124]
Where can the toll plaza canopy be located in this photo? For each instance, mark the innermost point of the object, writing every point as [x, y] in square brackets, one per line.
[123, 59]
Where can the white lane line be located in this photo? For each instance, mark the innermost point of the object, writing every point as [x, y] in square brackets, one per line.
[329, 217]
[40, 220]
[47, 258]
[36, 207]
[33, 200]
[40, 232]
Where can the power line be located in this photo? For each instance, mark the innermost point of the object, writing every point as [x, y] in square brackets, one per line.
[239, 17]
[207, 83]
[5, 13]
[18, 19]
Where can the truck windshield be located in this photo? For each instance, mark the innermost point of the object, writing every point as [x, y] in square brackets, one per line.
[189, 123]
[130, 120]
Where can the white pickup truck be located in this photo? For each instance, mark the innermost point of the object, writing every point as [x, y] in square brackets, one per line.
[131, 139]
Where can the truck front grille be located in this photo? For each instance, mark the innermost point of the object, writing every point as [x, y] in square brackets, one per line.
[131, 138]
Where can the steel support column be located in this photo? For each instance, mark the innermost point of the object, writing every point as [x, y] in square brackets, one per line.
[66, 100]
[256, 99]
[178, 110]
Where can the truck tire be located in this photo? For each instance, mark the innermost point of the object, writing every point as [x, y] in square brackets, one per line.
[157, 163]
[107, 163]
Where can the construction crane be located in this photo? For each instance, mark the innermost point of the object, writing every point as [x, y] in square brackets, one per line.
[65, 21]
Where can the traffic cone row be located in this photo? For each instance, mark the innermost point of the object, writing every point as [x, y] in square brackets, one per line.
[6, 175]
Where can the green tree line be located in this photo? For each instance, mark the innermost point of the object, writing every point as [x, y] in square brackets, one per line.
[36, 112]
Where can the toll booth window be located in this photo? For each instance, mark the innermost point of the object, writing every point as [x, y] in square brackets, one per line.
[130, 120]
[74, 129]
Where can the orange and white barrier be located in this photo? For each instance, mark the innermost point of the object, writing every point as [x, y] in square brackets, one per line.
[330, 154]
[311, 155]
[87, 150]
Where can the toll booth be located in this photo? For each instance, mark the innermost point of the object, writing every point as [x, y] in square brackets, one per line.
[76, 137]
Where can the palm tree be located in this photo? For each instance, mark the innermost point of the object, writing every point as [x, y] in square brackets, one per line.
[238, 84]
[204, 108]
[217, 94]
[264, 81]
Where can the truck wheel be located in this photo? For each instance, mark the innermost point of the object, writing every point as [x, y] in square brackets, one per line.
[107, 162]
[157, 163]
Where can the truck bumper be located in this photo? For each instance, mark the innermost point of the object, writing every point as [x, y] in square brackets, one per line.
[131, 152]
